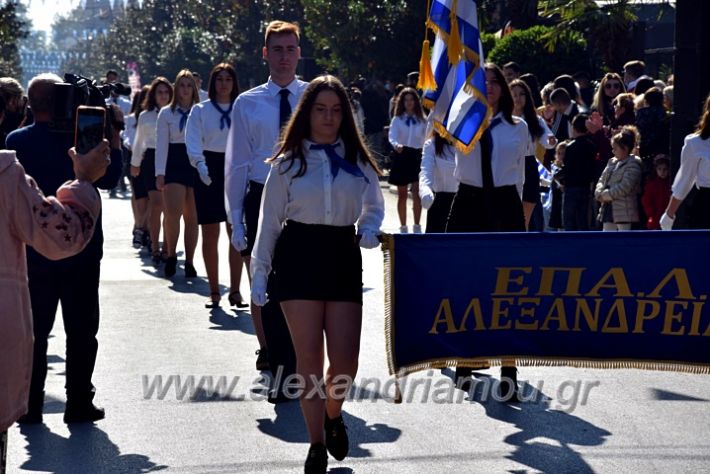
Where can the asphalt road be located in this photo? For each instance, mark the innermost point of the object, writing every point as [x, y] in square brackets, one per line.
[155, 330]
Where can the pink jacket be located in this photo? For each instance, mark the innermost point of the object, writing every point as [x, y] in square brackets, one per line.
[57, 228]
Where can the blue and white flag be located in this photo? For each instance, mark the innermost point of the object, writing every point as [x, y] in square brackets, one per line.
[460, 110]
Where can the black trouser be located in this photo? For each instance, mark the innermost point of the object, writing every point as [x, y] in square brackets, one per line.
[78, 291]
[438, 213]
[278, 340]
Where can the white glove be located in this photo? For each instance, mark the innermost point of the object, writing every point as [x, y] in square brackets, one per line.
[239, 240]
[427, 198]
[204, 173]
[258, 290]
[666, 222]
[368, 240]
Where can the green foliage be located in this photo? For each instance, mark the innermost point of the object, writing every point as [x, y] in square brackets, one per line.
[488, 40]
[13, 27]
[529, 48]
[373, 38]
[607, 28]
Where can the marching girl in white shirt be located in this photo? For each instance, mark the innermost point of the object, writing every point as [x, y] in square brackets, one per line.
[539, 136]
[491, 181]
[143, 159]
[694, 171]
[407, 134]
[175, 176]
[206, 140]
[321, 198]
[437, 183]
[139, 195]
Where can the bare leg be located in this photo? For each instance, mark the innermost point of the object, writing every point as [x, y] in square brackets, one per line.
[173, 198]
[210, 238]
[235, 266]
[189, 215]
[416, 203]
[156, 210]
[305, 322]
[402, 204]
[343, 322]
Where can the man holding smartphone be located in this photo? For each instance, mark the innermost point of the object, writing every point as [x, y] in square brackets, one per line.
[72, 281]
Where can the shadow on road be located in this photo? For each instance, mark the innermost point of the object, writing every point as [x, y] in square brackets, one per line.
[87, 449]
[289, 426]
[235, 320]
[545, 433]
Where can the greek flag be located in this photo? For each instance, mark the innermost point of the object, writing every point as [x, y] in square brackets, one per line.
[459, 106]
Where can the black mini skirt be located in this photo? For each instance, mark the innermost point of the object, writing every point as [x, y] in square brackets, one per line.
[147, 174]
[178, 168]
[317, 262]
[209, 200]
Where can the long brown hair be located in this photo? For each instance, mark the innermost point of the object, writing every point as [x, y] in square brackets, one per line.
[298, 127]
[505, 103]
[703, 128]
[399, 105]
[529, 112]
[212, 90]
[149, 103]
[185, 74]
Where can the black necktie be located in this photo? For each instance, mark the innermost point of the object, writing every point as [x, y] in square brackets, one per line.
[487, 153]
[284, 108]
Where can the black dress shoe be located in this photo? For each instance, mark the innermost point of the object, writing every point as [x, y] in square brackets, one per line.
[213, 302]
[170, 267]
[317, 460]
[83, 413]
[190, 271]
[508, 386]
[336, 437]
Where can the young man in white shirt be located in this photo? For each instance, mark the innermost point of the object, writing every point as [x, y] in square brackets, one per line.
[257, 118]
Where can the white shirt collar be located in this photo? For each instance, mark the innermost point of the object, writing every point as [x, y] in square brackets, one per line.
[275, 88]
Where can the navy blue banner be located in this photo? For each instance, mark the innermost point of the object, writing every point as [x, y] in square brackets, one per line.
[594, 299]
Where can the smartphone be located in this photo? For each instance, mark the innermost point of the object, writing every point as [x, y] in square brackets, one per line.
[89, 129]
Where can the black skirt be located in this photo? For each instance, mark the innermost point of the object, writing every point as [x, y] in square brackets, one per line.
[147, 174]
[438, 213]
[317, 262]
[209, 200]
[178, 168]
[405, 166]
[699, 212]
[486, 210]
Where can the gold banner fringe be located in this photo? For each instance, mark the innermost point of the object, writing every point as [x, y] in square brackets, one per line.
[532, 361]
[388, 254]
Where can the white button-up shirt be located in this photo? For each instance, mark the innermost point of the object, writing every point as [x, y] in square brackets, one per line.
[145, 135]
[168, 131]
[694, 166]
[128, 134]
[510, 142]
[412, 136]
[315, 198]
[203, 133]
[437, 172]
[253, 139]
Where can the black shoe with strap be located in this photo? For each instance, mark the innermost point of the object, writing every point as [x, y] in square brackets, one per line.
[190, 271]
[336, 437]
[317, 460]
[170, 267]
[262, 359]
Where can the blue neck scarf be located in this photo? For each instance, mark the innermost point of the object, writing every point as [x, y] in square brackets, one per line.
[337, 162]
[183, 118]
[410, 120]
[225, 119]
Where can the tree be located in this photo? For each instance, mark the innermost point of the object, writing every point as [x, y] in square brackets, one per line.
[381, 39]
[608, 28]
[13, 27]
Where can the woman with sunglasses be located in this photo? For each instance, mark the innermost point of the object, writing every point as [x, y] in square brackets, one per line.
[610, 87]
